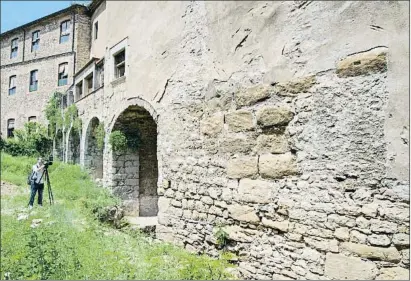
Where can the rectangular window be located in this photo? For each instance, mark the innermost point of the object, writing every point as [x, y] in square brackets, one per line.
[10, 128]
[120, 64]
[99, 79]
[63, 74]
[32, 119]
[79, 90]
[35, 40]
[96, 30]
[89, 84]
[64, 31]
[12, 85]
[33, 81]
[14, 48]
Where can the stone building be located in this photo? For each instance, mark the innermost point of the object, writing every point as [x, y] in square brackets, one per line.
[284, 123]
[38, 59]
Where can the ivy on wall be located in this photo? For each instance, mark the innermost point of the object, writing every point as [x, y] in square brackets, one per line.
[60, 119]
[99, 134]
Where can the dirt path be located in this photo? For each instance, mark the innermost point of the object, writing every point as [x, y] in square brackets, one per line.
[9, 189]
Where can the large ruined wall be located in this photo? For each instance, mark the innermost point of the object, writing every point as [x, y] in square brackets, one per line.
[286, 123]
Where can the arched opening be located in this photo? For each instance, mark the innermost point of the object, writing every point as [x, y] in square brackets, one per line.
[73, 153]
[135, 169]
[93, 154]
[59, 145]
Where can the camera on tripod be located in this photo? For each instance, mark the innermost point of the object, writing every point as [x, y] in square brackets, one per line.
[49, 162]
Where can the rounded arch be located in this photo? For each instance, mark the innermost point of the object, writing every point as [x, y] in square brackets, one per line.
[130, 102]
[93, 153]
[134, 171]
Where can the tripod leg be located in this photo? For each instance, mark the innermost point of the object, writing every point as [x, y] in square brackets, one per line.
[51, 199]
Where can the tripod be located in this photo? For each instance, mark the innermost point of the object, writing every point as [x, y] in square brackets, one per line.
[47, 179]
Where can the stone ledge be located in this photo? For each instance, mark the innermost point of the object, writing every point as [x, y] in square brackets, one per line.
[365, 63]
[364, 251]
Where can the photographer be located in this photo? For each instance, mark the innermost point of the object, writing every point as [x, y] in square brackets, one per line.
[37, 182]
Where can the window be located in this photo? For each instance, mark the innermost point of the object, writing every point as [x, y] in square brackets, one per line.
[12, 85]
[33, 81]
[32, 119]
[63, 74]
[89, 84]
[99, 79]
[14, 48]
[10, 128]
[95, 30]
[35, 40]
[120, 64]
[64, 31]
[79, 90]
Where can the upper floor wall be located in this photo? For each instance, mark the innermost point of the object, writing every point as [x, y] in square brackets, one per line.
[49, 36]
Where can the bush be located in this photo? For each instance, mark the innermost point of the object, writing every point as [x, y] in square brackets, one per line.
[118, 141]
[32, 140]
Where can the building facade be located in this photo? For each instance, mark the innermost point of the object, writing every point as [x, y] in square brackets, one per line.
[38, 59]
[284, 123]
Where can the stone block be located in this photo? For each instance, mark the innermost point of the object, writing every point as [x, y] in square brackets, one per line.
[132, 182]
[239, 121]
[236, 144]
[242, 167]
[280, 225]
[370, 210]
[394, 273]
[163, 204]
[243, 213]
[342, 233]
[293, 87]
[364, 251]
[378, 240]
[213, 125]
[277, 165]
[252, 95]
[348, 268]
[378, 226]
[322, 244]
[365, 63]
[240, 234]
[274, 116]
[401, 239]
[254, 191]
[272, 144]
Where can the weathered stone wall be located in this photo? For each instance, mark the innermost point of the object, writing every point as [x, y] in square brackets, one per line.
[93, 155]
[294, 171]
[286, 123]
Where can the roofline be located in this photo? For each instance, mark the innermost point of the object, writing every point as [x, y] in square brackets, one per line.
[68, 9]
[94, 5]
[93, 59]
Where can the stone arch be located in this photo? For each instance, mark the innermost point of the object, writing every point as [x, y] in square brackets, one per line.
[93, 156]
[134, 173]
[73, 146]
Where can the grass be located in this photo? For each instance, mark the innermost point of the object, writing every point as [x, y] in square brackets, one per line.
[71, 243]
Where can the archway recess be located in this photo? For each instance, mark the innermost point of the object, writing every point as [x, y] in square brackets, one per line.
[93, 154]
[135, 170]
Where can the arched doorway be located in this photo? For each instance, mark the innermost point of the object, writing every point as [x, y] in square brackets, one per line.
[93, 154]
[135, 169]
[73, 153]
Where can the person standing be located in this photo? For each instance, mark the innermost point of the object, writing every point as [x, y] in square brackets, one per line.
[37, 183]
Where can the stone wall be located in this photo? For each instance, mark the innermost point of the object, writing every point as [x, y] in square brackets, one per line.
[93, 156]
[295, 173]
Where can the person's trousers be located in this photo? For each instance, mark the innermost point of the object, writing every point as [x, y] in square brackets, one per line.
[34, 188]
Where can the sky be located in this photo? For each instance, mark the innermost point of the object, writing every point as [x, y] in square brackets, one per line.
[16, 13]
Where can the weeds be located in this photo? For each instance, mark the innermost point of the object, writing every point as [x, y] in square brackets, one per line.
[71, 243]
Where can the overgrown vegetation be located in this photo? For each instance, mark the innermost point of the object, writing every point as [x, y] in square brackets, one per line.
[120, 142]
[70, 242]
[32, 140]
[59, 119]
[99, 134]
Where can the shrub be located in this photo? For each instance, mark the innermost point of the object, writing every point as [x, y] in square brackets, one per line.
[118, 141]
[99, 134]
[32, 140]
